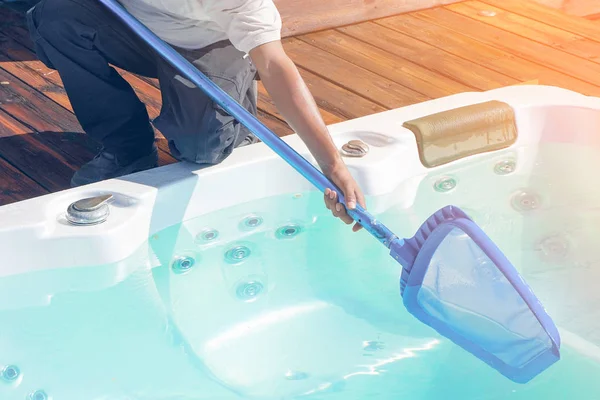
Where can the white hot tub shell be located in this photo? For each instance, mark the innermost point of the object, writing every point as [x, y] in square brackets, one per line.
[35, 235]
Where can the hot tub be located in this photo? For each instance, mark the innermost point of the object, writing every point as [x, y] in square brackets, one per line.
[235, 282]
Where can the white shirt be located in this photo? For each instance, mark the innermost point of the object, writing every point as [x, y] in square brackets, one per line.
[194, 24]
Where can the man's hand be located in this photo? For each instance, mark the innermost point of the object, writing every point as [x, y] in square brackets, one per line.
[352, 193]
[293, 100]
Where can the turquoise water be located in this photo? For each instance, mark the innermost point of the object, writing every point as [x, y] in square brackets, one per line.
[275, 299]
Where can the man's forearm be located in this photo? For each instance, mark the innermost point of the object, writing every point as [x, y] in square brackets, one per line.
[294, 101]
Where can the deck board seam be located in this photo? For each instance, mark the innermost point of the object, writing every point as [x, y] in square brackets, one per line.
[555, 69]
[442, 49]
[49, 83]
[417, 63]
[47, 98]
[544, 68]
[18, 37]
[592, 17]
[338, 111]
[580, 37]
[16, 167]
[340, 32]
[304, 40]
[332, 81]
[542, 20]
[16, 118]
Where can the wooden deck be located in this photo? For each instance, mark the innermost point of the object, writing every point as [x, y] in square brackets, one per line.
[352, 71]
[589, 9]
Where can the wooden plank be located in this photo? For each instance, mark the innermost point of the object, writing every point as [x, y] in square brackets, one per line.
[15, 186]
[580, 8]
[39, 114]
[435, 59]
[554, 78]
[36, 80]
[24, 65]
[337, 100]
[16, 44]
[461, 46]
[19, 32]
[593, 17]
[33, 109]
[501, 61]
[24, 149]
[27, 63]
[390, 66]
[335, 103]
[531, 29]
[17, 51]
[35, 74]
[148, 89]
[549, 16]
[531, 82]
[379, 90]
[19, 47]
[545, 55]
[267, 106]
[150, 81]
[304, 16]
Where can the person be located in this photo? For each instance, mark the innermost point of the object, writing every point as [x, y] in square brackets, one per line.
[233, 42]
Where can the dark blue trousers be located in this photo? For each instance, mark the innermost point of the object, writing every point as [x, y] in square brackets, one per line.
[83, 41]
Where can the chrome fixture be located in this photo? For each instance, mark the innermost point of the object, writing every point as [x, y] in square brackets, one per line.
[89, 211]
[355, 148]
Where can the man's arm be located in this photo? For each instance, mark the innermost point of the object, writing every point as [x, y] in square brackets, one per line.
[294, 101]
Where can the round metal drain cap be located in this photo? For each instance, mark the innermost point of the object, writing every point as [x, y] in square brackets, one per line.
[355, 148]
[90, 211]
